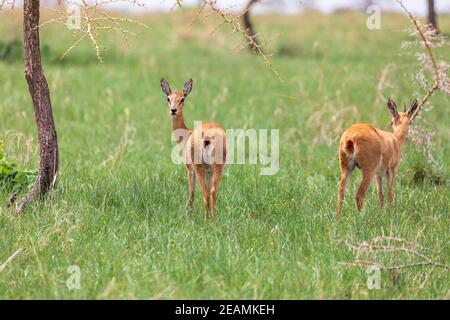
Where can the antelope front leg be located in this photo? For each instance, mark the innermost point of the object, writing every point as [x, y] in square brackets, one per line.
[215, 187]
[199, 171]
[191, 177]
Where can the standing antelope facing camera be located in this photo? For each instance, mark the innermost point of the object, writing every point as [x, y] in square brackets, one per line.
[375, 152]
[204, 149]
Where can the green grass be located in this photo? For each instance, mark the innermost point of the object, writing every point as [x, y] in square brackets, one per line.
[127, 226]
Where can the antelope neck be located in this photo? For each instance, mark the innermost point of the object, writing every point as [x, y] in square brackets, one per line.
[400, 133]
[178, 123]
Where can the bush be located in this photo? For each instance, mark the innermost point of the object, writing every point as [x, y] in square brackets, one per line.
[11, 178]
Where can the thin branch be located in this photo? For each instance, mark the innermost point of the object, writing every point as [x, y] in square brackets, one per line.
[94, 19]
[435, 87]
[394, 245]
[233, 21]
[249, 29]
[366, 263]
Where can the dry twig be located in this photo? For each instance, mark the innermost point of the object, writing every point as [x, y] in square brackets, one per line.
[390, 245]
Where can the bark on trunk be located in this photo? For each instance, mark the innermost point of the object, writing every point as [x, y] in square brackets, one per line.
[40, 95]
[253, 43]
[432, 14]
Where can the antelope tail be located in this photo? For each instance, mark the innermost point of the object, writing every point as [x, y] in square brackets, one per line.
[206, 141]
[349, 147]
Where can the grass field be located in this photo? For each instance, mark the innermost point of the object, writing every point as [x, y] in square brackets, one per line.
[120, 209]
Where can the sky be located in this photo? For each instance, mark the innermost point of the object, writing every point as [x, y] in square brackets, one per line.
[418, 7]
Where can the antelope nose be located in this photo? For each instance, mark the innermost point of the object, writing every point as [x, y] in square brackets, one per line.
[173, 111]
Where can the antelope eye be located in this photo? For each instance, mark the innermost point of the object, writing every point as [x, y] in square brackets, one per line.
[168, 100]
[182, 100]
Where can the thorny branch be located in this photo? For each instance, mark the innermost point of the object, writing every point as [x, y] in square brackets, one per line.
[93, 18]
[428, 35]
[251, 33]
[90, 18]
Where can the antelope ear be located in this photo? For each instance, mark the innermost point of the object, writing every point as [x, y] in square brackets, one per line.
[187, 87]
[165, 87]
[413, 108]
[392, 108]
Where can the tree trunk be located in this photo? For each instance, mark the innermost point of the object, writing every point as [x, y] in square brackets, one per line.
[432, 14]
[40, 95]
[249, 29]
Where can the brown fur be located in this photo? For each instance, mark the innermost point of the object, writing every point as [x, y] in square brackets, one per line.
[204, 150]
[375, 152]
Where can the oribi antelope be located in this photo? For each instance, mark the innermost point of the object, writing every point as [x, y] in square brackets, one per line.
[204, 149]
[375, 152]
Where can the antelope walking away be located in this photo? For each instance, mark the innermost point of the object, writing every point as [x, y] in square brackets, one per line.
[376, 152]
